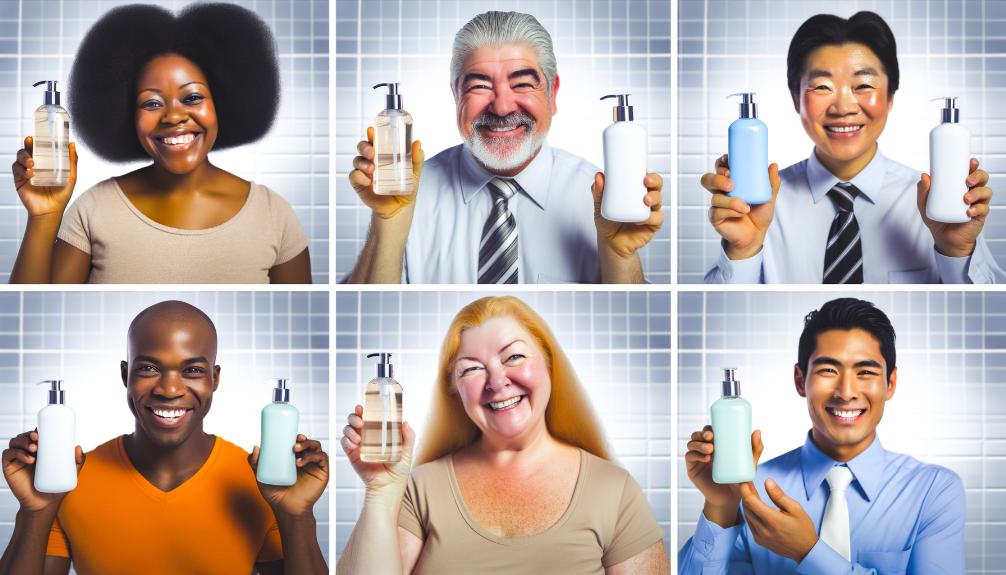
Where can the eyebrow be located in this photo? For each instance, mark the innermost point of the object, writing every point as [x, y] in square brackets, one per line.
[475, 76]
[825, 360]
[154, 360]
[182, 86]
[818, 73]
[525, 72]
[518, 340]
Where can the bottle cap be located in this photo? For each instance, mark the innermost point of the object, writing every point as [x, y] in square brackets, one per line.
[280, 394]
[51, 95]
[384, 367]
[56, 394]
[731, 386]
[748, 107]
[623, 111]
[950, 113]
[393, 100]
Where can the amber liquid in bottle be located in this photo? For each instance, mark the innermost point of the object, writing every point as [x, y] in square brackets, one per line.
[382, 421]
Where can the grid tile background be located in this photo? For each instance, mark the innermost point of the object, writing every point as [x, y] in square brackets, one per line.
[602, 47]
[617, 341]
[39, 38]
[945, 47]
[81, 337]
[950, 408]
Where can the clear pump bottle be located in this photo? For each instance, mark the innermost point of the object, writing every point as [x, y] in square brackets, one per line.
[277, 463]
[393, 146]
[56, 460]
[382, 415]
[748, 154]
[624, 166]
[949, 165]
[733, 461]
[51, 143]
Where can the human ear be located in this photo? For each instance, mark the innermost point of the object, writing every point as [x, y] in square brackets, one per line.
[124, 372]
[892, 384]
[799, 381]
[216, 377]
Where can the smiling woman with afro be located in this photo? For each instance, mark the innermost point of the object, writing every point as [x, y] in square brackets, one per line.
[149, 85]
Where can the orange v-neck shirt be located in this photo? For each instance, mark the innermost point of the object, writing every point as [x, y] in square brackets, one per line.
[115, 521]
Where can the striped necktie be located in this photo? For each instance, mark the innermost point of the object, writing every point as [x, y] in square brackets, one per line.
[843, 256]
[498, 248]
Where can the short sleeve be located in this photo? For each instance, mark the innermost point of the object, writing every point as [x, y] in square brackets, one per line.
[408, 516]
[635, 529]
[289, 232]
[272, 547]
[75, 228]
[58, 545]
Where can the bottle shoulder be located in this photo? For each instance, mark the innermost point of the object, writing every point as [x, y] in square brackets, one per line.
[393, 114]
[732, 402]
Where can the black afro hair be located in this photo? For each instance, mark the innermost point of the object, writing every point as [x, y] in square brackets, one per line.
[231, 45]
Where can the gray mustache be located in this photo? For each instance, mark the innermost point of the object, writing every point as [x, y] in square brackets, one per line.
[508, 122]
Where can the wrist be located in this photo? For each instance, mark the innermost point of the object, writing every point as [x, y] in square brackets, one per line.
[742, 252]
[725, 515]
[48, 219]
[40, 517]
[952, 251]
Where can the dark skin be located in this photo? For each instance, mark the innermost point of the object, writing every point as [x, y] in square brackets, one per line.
[170, 366]
[176, 124]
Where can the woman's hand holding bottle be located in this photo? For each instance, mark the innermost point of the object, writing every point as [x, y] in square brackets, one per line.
[42, 201]
[385, 483]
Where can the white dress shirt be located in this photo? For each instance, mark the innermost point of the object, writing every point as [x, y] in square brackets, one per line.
[554, 212]
[897, 245]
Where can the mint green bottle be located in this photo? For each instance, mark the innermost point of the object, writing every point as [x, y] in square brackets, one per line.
[733, 461]
[277, 463]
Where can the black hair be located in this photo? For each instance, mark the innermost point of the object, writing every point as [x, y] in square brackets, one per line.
[846, 314]
[231, 45]
[866, 28]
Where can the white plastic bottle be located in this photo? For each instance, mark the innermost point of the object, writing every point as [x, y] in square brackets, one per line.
[56, 460]
[949, 165]
[624, 166]
[51, 143]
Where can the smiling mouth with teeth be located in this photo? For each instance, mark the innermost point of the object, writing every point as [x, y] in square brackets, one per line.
[169, 414]
[178, 140]
[506, 403]
[845, 414]
[843, 129]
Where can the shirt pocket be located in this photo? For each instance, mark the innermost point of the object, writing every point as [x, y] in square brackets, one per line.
[886, 562]
[919, 276]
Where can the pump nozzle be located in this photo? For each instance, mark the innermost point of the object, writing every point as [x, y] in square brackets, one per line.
[56, 393]
[748, 107]
[950, 113]
[731, 386]
[623, 111]
[51, 94]
[393, 100]
[384, 367]
[280, 393]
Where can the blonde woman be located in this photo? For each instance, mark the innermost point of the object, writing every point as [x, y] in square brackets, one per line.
[513, 474]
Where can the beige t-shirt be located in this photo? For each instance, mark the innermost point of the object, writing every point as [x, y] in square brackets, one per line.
[128, 247]
[607, 522]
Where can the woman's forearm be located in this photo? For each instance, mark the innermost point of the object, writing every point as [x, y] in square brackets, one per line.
[373, 547]
[301, 552]
[25, 553]
[34, 258]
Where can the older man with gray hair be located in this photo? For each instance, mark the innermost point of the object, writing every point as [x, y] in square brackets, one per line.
[504, 206]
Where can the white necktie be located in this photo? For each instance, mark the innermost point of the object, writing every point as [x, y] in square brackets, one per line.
[835, 526]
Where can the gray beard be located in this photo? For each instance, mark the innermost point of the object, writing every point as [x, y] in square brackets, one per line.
[485, 153]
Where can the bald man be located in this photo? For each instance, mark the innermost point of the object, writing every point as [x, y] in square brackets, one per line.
[168, 498]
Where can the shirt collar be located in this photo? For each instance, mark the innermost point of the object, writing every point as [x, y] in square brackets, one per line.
[533, 179]
[869, 181]
[867, 467]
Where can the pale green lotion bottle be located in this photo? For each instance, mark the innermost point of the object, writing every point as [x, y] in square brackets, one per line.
[733, 461]
[277, 463]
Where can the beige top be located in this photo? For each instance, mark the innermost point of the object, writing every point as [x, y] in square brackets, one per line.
[128, 247]
[607, 522]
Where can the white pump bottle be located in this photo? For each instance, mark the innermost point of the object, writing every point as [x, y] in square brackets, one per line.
[624, 166]
[949, 165]
[56, 460]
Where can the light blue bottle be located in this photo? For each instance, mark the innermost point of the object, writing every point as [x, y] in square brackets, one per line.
[277, 463]
[748, 149]
[733, 461]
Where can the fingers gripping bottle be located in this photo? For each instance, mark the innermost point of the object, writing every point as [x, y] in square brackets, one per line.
[277, 463]
[949, 165]
[51, 143]
[733, 461]
[393, 147]
[56, 460]
[748, 154]
[382, 415]
[624, 166]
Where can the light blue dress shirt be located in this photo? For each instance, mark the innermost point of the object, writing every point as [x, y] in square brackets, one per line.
[905, 517]
[556, 236]
[897, 245]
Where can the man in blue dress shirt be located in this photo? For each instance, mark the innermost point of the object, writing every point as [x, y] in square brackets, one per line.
[890, 514]
[504, 207]
[847, 214]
